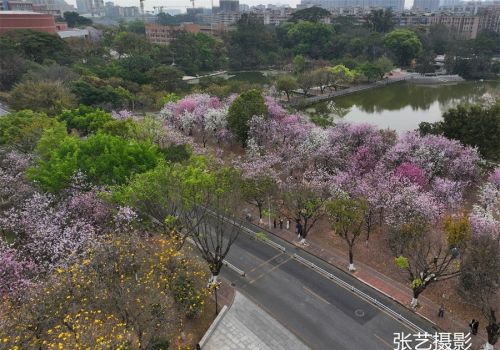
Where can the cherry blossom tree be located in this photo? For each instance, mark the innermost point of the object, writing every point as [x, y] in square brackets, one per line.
[303, 198]
[16, 272]
[15, 187]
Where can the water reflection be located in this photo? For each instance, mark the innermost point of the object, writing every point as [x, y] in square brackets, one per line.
[402, 107]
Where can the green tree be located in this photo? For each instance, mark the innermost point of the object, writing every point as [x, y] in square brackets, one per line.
[136, 27]
[347, 216]
[369, 70]
[244, 107]
[167, 78]
[299, 64]
[287, 84]
[75, 20]
[404, 45]
[95, 92]
[45, 96]
[12, 67]
[135, 68]
[340, 75]
[130, 43]
[103, 158]
[23, 129]
[257, 190]
[35, 45]
[311, 39]
[53, 72]
[380, 20]
[311, 14]
[86, 120]
[425, 62]
[252, 44]
[384, 65]
[474, 125]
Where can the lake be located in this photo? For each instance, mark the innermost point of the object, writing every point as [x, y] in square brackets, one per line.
[402, 106]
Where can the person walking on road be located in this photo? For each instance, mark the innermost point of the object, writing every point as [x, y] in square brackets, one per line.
[288, 223]
[281, 223]
[441, 311]
[298, 228]
[475, 327]
[471, 326]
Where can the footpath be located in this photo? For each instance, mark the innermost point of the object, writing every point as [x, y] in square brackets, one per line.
[243, 325]
[384, 284]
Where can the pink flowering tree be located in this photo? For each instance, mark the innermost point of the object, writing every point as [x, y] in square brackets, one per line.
[16, 272]
[303, 198]
[259, 180]
[198, 115]
[480, 279]
[411, 172]
[53, 231]
[15, 187]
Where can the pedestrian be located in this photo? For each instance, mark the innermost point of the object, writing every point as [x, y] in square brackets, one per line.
[475, 327]
[298, 228]
[281, 223]
[441, 311]
[288, 223]
[471, 326]
[274, 222]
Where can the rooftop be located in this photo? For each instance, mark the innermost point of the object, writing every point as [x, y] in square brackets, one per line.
[20, 13]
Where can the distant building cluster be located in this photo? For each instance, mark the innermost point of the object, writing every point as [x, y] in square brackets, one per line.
[348, 5]
[164, 34]
[54, 7]
[466, 20]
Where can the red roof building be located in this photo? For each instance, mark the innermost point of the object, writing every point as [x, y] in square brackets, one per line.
[10, 20]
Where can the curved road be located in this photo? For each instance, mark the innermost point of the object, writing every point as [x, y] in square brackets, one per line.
[321, 312]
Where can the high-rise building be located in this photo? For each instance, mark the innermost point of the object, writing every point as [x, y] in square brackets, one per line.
[93, 7]
[395, 5]
[426, 5]
[229, 6]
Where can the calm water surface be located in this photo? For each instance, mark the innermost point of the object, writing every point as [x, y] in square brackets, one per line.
[403, 106]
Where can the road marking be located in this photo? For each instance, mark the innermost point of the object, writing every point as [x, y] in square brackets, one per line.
[316, 295]
[270, 270]
[401, 322]
[264, 262]
[383, 341]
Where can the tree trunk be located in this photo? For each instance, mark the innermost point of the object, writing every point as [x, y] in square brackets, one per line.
[351, 260]
[259, 206]
[414, 300]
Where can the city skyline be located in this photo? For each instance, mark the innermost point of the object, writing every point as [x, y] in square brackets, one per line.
[183, 4]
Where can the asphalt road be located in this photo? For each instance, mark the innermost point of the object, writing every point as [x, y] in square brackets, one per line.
[322, 313]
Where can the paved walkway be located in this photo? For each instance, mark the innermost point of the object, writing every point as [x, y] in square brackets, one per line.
[246, 326]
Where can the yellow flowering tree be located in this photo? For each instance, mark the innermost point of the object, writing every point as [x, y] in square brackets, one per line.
[128, 293]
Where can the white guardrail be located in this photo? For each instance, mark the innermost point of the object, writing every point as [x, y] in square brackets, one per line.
[358, 292]
[328, 275]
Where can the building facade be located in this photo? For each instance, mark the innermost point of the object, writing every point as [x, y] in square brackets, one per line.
[425, 5]
[164, 34]
[11, 20]
[395, 5]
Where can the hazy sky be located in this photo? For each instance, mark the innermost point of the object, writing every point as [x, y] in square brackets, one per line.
[182, 4]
